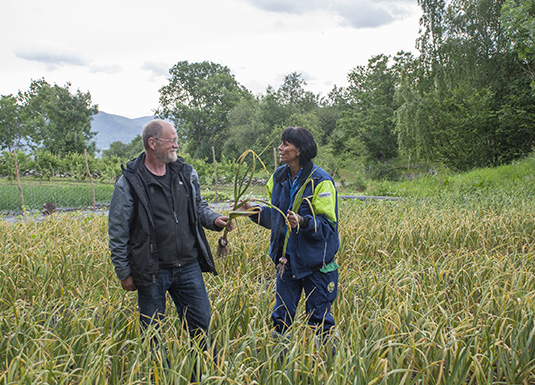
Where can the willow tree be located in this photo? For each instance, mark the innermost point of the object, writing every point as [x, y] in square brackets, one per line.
[471, 105]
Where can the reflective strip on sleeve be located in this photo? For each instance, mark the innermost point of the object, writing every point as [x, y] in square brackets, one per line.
[269, 188]
[324, 200]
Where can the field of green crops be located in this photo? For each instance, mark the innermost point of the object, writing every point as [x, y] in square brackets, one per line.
[436, 290]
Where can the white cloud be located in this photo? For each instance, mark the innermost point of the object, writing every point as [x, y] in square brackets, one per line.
[52, 56]
[354, 13]
[157, 69]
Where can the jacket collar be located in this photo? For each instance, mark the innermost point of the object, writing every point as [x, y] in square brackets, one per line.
[281, 175]
[134, 165]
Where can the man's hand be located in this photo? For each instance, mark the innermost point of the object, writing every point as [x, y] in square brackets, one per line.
[222, 222]
[128, 284]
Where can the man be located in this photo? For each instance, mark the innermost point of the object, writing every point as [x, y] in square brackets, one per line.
[157, 241]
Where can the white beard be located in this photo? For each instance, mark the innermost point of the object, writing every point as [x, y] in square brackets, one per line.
[166, 157]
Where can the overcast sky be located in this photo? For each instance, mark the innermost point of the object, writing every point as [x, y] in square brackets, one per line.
[121, 50]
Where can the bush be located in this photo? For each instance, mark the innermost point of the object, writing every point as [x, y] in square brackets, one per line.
[7, 163]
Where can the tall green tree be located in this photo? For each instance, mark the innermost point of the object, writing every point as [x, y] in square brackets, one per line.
[11, 129]
[257, 123]
[248, 131]
[518, 17]
[56, 119]
[282, 107]
[329, 112]
[366, 130]
[470, 87]
[198, 99]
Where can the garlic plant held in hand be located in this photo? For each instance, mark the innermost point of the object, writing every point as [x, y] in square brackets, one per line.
[241, 184]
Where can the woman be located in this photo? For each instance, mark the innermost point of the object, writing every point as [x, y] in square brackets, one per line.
[313, 241]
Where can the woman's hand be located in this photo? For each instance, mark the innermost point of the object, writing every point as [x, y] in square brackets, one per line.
[246, 206]
[294, 219]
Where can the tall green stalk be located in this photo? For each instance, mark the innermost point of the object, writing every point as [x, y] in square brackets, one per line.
[241, 184]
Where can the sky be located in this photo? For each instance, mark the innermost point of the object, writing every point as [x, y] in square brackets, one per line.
[121, 50]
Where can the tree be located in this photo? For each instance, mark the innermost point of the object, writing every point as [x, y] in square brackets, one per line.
[11, 129]
[247, 131]
[518, 19]
[256, 123]
[125, 151]
[198, 99]
[468, 82]
[57, 120]
[366, 129]
[330, 111]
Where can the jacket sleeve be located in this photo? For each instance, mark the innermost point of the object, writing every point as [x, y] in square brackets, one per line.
[323, 222]
[119, 223]
[204, 212]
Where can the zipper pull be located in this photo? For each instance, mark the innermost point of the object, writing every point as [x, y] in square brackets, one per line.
[176, 218]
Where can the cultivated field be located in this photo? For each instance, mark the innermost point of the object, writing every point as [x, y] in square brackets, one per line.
[432, 291]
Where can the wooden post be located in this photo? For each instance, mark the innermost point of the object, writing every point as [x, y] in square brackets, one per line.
[215, 173]
[18, 181]
[90, 179]
[275, 157]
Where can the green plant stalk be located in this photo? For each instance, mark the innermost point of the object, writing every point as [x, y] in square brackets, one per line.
[240, 188]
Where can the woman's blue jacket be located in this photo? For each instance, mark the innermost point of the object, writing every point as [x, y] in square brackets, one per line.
[313, 244]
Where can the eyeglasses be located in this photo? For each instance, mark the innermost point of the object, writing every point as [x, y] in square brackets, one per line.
[172, 141]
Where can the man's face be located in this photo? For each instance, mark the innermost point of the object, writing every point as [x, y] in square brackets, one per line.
[166, 145]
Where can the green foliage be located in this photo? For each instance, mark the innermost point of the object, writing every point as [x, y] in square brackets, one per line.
[7, 163]
[256, 124]
[517, 17]
[247, 130]
[461, 105]
[11, 129]
[198, 100]
[125, 151]
[494, 183]
[56, 120]
[365, 130]
[46, 166]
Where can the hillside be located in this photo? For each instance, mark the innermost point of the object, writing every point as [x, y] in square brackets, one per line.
[111, 128]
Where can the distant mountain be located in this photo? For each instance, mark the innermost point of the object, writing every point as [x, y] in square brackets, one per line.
[111, 128]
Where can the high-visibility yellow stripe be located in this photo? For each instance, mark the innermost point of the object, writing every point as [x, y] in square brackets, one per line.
[324, 200]
[269, 188]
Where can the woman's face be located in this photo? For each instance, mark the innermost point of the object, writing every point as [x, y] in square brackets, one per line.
[288, 153]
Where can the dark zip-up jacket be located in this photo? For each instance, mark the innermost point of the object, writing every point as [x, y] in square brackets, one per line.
[131, 229]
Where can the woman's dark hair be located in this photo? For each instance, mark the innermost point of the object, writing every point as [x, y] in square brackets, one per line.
[301, 138]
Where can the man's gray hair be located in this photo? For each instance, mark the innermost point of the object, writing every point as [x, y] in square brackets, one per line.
[152, 129]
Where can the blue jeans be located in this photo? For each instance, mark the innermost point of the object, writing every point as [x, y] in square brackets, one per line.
[186, 286]
[320, 292]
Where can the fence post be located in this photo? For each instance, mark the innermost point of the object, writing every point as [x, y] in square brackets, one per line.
[215, 173]
[90, 179]
[18, 181]
[275, 158]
